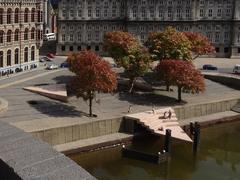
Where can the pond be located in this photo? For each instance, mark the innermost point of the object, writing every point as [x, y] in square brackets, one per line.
[218, 158]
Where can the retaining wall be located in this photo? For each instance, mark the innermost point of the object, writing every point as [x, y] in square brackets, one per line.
[96, 128]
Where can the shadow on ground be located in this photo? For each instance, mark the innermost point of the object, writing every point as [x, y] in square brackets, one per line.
[149, 99]
[56, 109]
[64, 79]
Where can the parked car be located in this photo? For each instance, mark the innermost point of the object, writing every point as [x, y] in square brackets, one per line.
[50, 55]
[64, 65]
[209, 67]
[52, 66]
[236, 68]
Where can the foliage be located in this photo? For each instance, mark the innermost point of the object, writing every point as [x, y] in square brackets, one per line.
[169, 44]
[200, 45]
[128, 53]
[120, 44]
[93, 74]
[181, 74]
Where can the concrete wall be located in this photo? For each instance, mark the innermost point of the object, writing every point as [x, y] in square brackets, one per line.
[96, 128]
[228, 80]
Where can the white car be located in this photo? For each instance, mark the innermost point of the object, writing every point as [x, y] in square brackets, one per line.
[52, 66]
[236, 68]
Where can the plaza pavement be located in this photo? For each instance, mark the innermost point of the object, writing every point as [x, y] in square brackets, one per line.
[21, 109]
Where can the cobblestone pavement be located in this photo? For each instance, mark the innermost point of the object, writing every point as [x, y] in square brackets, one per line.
[21, 108]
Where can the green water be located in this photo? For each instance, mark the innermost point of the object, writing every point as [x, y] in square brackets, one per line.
[218, 158]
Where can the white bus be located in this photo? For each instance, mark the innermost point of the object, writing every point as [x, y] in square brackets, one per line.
[49, 37]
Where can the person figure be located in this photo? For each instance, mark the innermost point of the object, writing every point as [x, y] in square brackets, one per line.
[165, 115]
[130, 108]
[169, 114]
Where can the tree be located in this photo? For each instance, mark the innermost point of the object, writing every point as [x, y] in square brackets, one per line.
[181, 74]
[120, 44]
[128, 53]
[93, 74]
[169, 44]
[200, 44]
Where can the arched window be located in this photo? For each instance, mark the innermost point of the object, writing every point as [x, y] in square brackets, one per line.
[16, 35]
[33, 15]
[26, 34]
[9, 36]
[16, 56]
[39, 16]
[33, 33]
[32, 53]
[1, 37]
[26, 54]
[26, 12]
[1, 16]
[9, 16]
[1, 58]
[38, 34]
[9, 58]
[16, 16]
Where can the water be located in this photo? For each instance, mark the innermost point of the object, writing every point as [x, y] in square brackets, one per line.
[218, 158]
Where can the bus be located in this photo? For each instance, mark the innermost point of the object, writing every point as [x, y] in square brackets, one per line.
[49, 37]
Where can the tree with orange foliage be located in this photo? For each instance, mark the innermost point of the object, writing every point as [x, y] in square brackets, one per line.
[128, 53]
[200, 44]
[181, 74]
[93, 74]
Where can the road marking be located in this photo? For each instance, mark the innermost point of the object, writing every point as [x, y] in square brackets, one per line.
[29, 78]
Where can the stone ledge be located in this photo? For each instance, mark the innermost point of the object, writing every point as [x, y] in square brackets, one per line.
[30, 158]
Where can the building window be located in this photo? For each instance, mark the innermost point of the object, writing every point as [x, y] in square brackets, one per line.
[1, 58]
[9, 16]
[79, 37]
[201, 12]
[169, 12]
[89, 12]
[228, 12]
[63, 48]
[9, 36]
[26, 54]
[105, 14]
[71, 12]
[1, 16]
[26, 34]
[226, 49]
[143, 12]
[16, 56]
[26, 12]
[79, 13]
[160, 13]
[16, 16]
[88, 48]
[63, 13]
[226, 36]
[178, 13]
[63, 37]
[71, 37]
[89, 37]
[219, 12]
[9, 58]
[32, 53]
[114, 13]
[152, 12]
[70, 48]
[79, 48]
[217, 49]
[217, 36]
[96, 48]
[210, 13]
[1, 37]
[33, 33]
[188, 14]
[33, 15]
[134, 12]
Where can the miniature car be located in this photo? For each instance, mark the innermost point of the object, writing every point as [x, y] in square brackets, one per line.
[52, 66]
[209, 67]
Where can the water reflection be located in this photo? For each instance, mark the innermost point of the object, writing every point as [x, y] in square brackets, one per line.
[218, 158]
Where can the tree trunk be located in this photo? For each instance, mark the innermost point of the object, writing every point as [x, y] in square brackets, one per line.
[179, 93]
[90, 103]
[132, 81]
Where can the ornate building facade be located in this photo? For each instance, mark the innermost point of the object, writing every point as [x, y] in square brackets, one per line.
[82, 23]
[20, 35]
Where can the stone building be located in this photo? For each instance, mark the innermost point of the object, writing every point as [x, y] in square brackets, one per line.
[20, 35]
[49, 17]
[82, 23]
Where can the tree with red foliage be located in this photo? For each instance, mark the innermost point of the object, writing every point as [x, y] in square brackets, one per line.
[93, 74]
[200, 44]
[181, 74]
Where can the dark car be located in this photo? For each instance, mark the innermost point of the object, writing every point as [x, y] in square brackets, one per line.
[209, 67]
[50, 55]
[64, 65]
